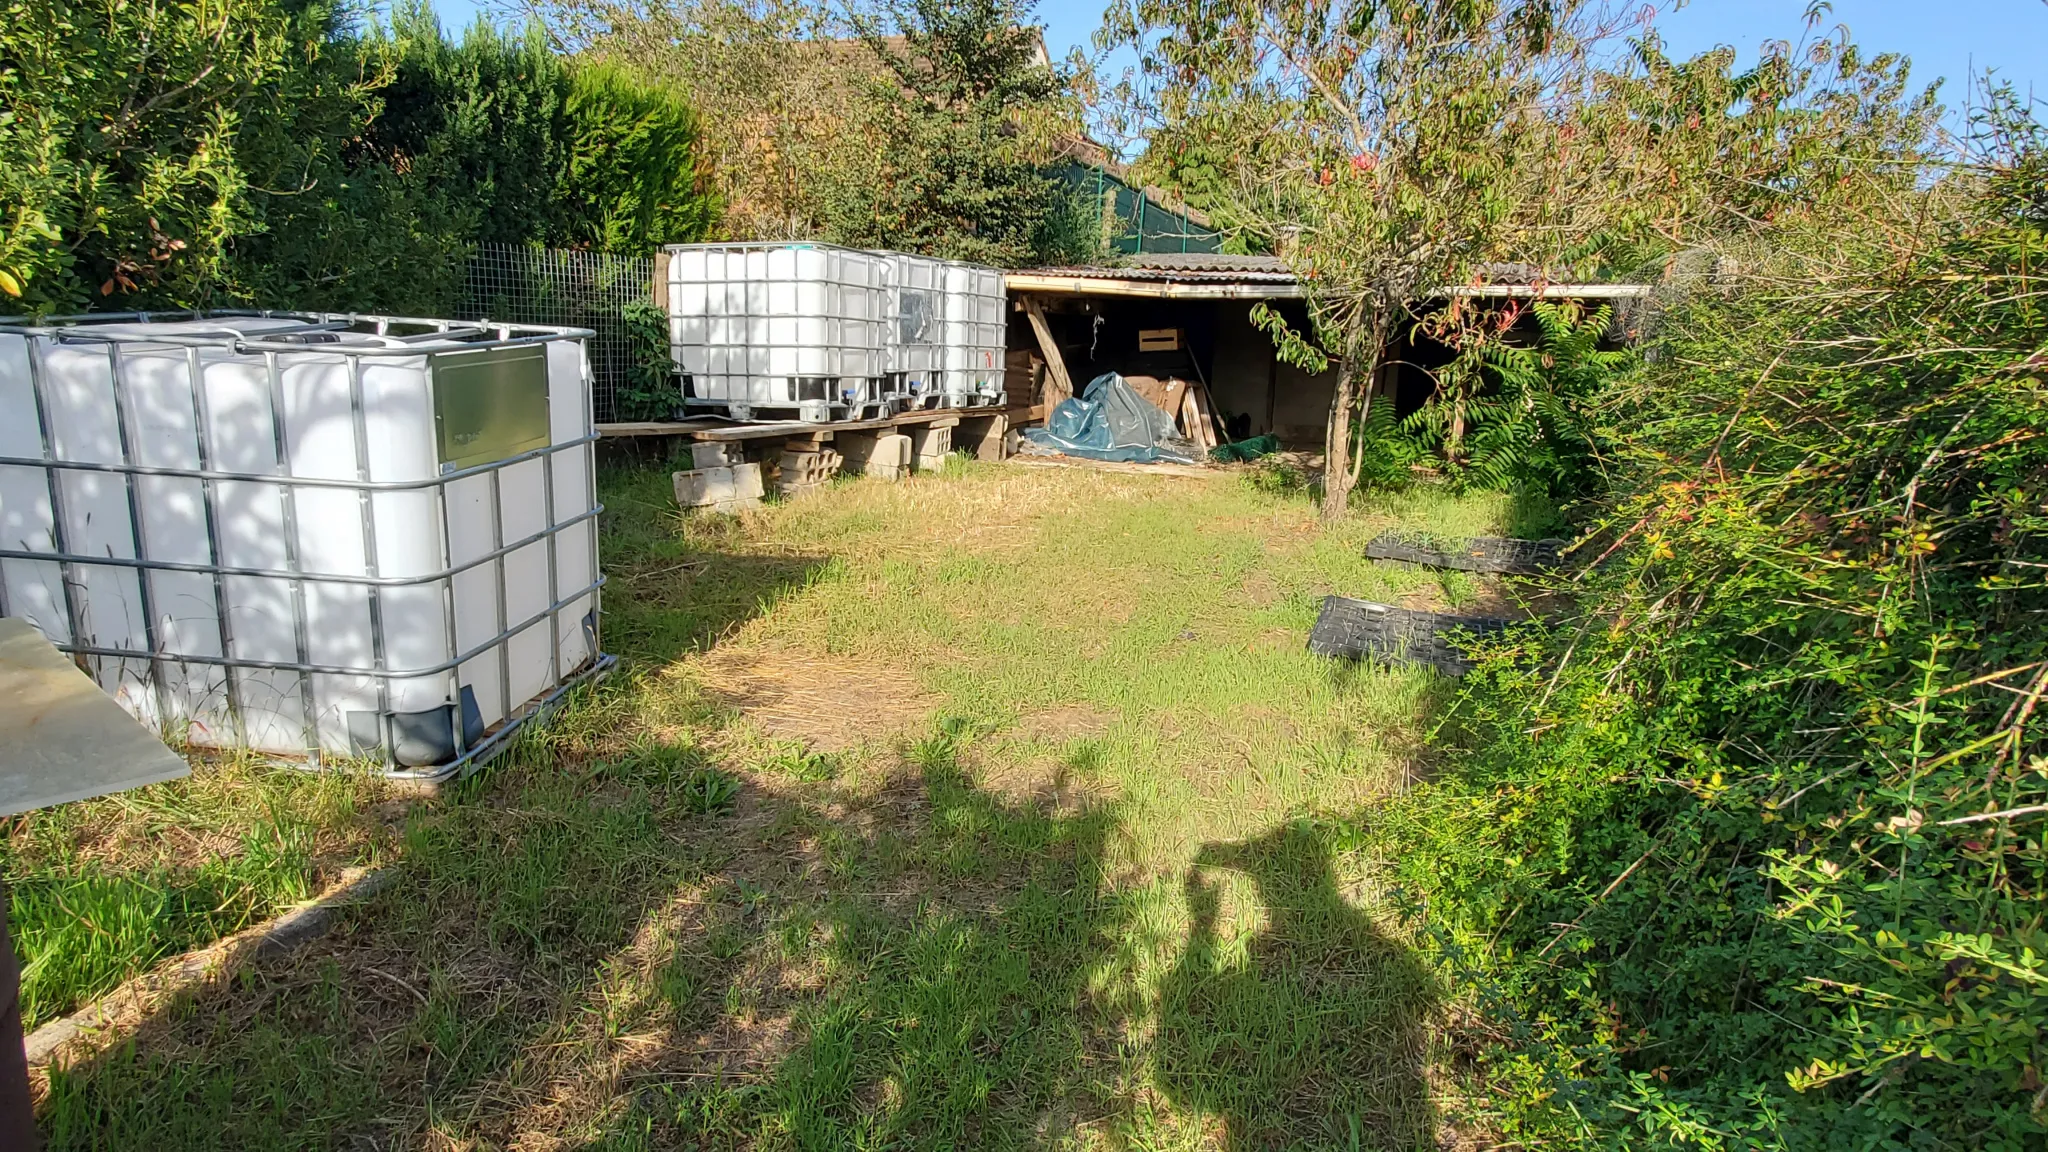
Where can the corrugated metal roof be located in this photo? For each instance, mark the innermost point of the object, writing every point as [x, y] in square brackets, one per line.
[1210, 262]
[1198, 268]
[1213, 275]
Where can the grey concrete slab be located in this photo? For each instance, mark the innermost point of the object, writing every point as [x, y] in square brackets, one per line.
[61, 737]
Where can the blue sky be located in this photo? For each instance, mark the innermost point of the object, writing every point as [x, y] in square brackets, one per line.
[1951, 38]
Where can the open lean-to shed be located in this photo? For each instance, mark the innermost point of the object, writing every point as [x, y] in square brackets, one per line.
[1190, 315]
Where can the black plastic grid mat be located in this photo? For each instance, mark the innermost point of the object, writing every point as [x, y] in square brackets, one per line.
[1493, 554]
[1360, 629]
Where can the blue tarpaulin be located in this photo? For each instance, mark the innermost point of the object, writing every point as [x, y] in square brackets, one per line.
[1110, 421]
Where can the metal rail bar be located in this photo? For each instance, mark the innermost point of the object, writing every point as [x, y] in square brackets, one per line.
[145, 593]
[296, 574]
[209, 502]
[346, 669]
[301, 481]
[366, 512]
[289, 506]
[74, 613]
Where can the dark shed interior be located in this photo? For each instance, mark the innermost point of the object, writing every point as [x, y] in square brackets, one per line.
[1218, 345]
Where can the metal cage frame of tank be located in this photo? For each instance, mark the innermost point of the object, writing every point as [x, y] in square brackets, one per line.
[468, 754]
[851, 396]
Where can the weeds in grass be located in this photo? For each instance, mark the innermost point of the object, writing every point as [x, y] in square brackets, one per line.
[801, 763]
[707, 790]
[1273, 477]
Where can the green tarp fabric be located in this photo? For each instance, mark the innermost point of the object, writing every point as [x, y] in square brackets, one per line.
[1244, 450]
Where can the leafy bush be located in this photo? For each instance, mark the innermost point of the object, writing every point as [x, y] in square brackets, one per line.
[632, 176]
[1387, 454]
[119, 174]
[264, 153]
[650, 391]
[1276, 478]
[1749, 852]
[946, 151]
[1515, 416]
[547, 151]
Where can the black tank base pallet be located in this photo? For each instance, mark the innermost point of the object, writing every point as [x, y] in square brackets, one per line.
[1489, 554]
[801, 411]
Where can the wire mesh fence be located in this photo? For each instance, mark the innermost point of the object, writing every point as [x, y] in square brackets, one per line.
[578, 289]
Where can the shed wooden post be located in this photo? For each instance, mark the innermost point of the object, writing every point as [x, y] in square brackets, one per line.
[1062, 384]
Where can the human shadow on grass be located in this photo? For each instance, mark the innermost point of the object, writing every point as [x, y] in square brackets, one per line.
[919, 977]
[1311, 1034]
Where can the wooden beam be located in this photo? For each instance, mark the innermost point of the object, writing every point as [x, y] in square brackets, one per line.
[722, 430]
[1062, 384]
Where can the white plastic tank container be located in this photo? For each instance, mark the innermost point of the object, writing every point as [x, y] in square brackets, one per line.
[779, 329]
[307, 534]
[974, 335]
[917, 334]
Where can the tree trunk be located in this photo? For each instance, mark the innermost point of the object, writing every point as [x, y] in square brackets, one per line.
[1362, 362]
[1337, 449]
[1454, 442]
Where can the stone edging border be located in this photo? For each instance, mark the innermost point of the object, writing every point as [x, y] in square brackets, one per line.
[114, 1016]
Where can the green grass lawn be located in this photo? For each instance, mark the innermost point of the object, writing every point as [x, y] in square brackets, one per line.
[972, 811]
[102, 889]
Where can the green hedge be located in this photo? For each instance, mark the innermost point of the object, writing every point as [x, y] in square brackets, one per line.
[270, 154]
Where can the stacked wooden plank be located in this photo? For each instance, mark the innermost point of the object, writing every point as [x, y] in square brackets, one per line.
[1187, 401]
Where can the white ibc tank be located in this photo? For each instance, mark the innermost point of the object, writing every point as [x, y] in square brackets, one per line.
[306, 534]
[974, 302]
[917, 335]
[768, 326]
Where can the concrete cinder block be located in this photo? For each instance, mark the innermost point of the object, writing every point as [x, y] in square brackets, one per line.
[720, 489]
[985, 437]
[746, 481]
[855, 449]
[930, 445]
[889, 459]
[706, 454]
[801, 469]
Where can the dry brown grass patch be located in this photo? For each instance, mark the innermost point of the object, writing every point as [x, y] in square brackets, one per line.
[830, 703]
[1066, 722]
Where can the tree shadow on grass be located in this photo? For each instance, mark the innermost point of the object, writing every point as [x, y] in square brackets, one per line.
[678, 581]
[575, 959]
[1311, 1032]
